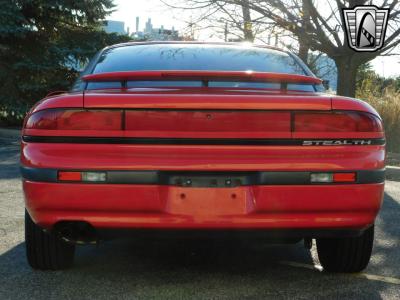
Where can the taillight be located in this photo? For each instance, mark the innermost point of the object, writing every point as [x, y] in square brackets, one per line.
[336, 122]
[75, 119]
[333, 177]
[89, 176]
[344, 177]
[69, 176]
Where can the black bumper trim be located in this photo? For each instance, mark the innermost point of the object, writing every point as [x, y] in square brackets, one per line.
[204, 178]
[202, 141]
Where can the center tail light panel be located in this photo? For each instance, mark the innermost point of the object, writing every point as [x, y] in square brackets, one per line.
[208, 123]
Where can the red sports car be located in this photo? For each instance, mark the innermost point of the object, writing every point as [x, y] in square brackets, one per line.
[201, 138]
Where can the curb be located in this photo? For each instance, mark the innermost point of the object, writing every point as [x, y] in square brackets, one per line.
[392, 173]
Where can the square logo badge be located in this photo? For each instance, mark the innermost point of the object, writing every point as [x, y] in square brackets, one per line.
[366, 27]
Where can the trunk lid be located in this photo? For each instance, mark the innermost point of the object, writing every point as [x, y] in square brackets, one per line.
[203, 99]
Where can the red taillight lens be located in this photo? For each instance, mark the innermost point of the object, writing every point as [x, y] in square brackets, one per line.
[73, 119]
[344, 177]
[69, 176]
[336, 122]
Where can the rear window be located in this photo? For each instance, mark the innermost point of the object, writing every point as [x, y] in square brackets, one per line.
[195, 57]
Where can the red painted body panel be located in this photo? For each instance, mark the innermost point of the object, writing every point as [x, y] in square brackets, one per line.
[73, 100]
[193, 99]
[152, 206]
[345, 103]
[181, 157]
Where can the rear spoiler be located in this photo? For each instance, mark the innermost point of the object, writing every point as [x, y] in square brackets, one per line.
[204, 76]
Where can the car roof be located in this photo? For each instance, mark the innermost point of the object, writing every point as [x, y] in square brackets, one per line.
[195, 43]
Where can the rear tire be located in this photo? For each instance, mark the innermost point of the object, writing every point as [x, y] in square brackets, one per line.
[346, 255]
[46, 250]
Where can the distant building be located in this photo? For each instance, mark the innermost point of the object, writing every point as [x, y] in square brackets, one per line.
[114, 27]
[155, 34]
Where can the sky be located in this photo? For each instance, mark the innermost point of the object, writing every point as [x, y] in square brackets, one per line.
[128, 10]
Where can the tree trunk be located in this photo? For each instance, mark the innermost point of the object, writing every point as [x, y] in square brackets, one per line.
[303, 52]
[305, 20]
[346, 76]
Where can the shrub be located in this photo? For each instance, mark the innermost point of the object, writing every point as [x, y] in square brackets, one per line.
[387, 103]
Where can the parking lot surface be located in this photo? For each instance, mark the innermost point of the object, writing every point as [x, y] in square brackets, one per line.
[183, 269]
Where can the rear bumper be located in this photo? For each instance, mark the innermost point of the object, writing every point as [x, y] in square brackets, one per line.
[260, 202]
[136, 206]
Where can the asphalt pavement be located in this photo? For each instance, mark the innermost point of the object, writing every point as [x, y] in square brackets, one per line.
[187, 269]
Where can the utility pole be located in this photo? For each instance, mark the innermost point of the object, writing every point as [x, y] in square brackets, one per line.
[226, 32]
[247, 29]
[191, 26]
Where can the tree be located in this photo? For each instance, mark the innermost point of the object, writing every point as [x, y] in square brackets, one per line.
[319, 26]
[43, 44]
[228, 22]
[304, 47]
[320, 34]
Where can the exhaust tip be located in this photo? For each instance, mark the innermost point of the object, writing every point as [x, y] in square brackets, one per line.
[77, 232]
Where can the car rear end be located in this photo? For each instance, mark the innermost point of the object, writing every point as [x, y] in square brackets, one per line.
[206, 150]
